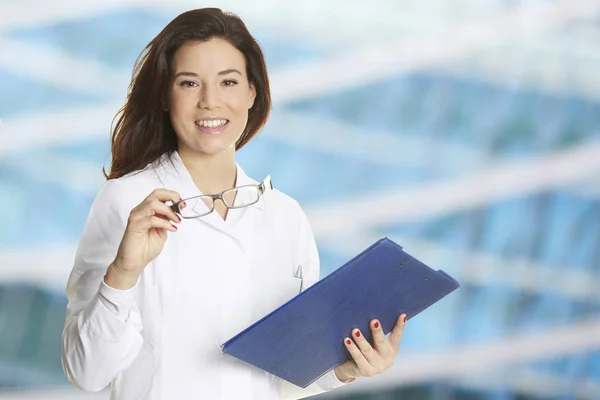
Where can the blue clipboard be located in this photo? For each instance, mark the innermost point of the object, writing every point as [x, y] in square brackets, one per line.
[303, 339]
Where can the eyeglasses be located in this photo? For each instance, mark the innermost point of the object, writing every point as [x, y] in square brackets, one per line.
[237, 197]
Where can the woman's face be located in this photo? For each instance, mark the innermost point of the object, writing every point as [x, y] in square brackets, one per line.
[209, 96]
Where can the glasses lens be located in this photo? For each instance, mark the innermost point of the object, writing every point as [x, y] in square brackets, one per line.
[242, 196]
[196, 207]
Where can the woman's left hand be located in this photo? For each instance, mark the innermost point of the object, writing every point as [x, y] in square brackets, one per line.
[367, 359]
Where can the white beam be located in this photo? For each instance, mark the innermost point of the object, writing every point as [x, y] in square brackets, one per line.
[496, 183]
[59, 68]
[43, 267]
[531, 382]
[53, 393]
[559, 64]
[369, 62]
[57, 127]
[24, 14]
[482, 269]
[72, 173]
[521, 381]
[379, 147]
[381, 60]
[465, 360]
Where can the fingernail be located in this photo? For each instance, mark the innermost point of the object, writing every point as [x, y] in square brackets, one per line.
[376, 324]
[178, 217]
[357, 334]
[183, 204]
[174, 226]
[404, 319]
[348, 342]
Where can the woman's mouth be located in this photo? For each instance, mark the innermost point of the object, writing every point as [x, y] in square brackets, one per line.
[212, 126]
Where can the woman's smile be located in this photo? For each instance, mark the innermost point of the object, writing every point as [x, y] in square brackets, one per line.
[212, 126]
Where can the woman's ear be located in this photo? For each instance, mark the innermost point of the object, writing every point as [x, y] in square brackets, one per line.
[252, 96]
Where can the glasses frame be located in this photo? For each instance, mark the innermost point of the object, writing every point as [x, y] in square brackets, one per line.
[262, 188]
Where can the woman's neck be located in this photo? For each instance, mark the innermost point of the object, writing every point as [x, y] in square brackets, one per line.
[211, 173]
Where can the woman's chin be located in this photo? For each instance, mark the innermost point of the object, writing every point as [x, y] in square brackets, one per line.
[213, 149]
[208, 144]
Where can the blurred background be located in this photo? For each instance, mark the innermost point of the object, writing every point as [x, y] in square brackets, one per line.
[466, 130]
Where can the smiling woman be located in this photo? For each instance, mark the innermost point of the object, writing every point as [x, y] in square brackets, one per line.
[147, 314]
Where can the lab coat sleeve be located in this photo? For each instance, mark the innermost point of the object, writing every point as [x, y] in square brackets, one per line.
[308, 258]
[102, 330]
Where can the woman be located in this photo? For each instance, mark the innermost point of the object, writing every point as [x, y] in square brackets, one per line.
[149, 314]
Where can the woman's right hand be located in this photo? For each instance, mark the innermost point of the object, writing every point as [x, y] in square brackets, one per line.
[144, 238]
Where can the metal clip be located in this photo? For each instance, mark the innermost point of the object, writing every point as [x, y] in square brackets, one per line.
[298, 274]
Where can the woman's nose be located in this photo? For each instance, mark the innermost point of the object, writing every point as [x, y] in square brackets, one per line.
[208, 98]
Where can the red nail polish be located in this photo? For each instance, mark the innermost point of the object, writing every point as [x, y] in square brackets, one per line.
[404, 319]
[357, 334]
[348, 342]
[376, 325]
[174, 226]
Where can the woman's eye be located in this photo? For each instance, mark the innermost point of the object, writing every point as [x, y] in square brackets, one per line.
[187, 84]
[229, 82]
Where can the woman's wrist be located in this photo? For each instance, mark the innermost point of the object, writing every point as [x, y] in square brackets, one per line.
[117, 279]
[343, 375]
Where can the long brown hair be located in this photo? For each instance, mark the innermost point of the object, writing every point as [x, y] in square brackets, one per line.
[143, 130]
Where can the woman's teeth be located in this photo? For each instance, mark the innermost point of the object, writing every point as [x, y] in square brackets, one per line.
[213, 123]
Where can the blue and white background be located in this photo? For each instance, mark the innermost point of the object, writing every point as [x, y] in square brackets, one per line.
[466, 130]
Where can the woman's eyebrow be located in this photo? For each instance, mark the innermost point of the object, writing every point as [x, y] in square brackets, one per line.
[230, 71]
[195, 75]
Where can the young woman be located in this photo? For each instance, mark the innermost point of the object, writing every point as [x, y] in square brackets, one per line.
[149, 314]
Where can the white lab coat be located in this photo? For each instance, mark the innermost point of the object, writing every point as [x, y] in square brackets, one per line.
[161, 339]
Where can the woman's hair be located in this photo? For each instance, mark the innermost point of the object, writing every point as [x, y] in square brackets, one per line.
[143, 130]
